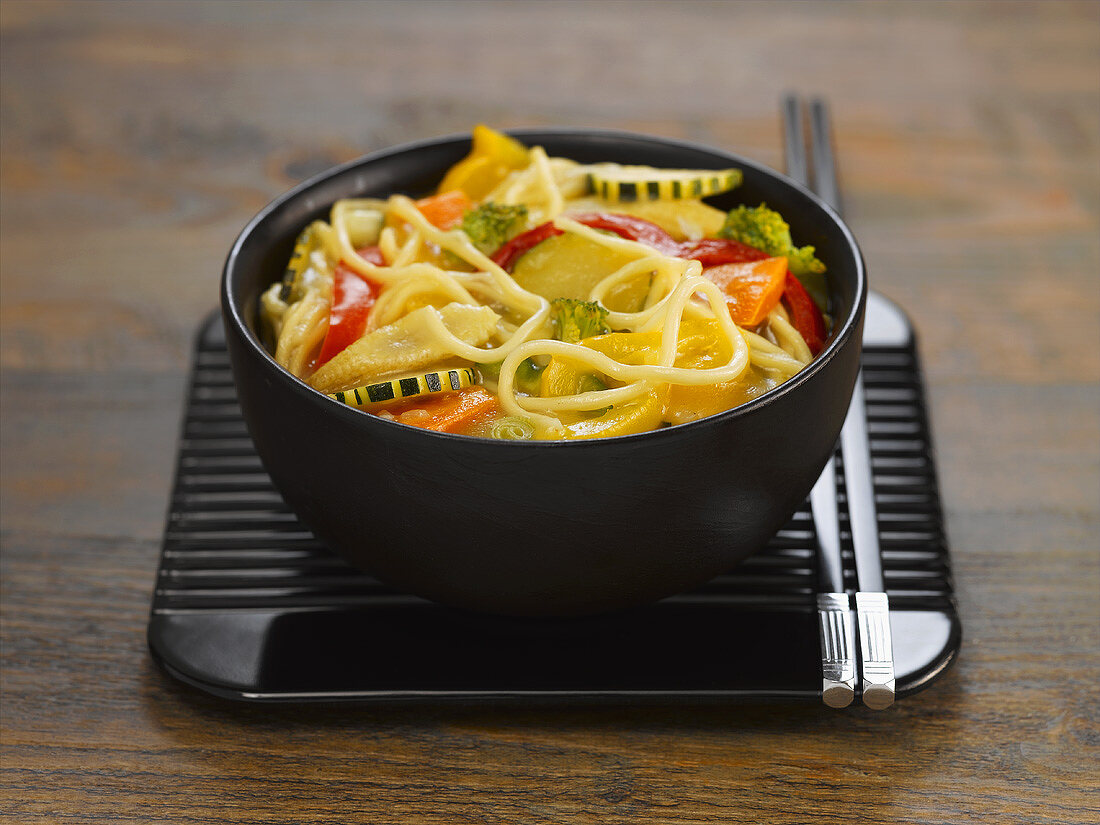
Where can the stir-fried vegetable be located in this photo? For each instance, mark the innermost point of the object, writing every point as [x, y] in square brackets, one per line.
[805, 316]
[636, 183]
[574, 320]
[445, 210]
[387, 393]
[491, 224]
[352, 299]
[293, 288]
[512, 428]
[451, 413]
[752, 289]
[765, 229]
[493, 155]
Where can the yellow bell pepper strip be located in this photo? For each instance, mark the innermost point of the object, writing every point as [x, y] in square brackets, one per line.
[638, 416]
[633, 348]
[752, 289]
[690, 403]
[563, 376]
[493, 155]
[700, 346]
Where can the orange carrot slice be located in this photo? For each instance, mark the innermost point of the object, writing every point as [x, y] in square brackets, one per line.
[752, 289]
[453, 412]
[445, 211]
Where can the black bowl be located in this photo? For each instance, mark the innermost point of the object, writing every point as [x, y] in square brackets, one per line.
[542, 528]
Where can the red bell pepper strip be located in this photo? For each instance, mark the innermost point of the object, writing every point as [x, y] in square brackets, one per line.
[507, 255]
[372, 255]
[805, 316]
[631, 228]
[708, 251]
[718, 251]
[352, 299]
[625, 226]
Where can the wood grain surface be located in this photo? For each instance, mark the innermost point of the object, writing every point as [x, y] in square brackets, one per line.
[137, 139]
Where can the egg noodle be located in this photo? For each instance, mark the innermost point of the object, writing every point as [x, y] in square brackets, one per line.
[443, 303]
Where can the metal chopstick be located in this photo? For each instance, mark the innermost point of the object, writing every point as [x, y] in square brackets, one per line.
[836, 630]
[872, 603]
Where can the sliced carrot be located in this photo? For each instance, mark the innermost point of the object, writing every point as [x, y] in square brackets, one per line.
[453, 412]
[445, 211]
[752, 289]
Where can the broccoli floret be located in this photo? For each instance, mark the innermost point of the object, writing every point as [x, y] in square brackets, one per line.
[491, 224]
[766, 230]
[575, 320]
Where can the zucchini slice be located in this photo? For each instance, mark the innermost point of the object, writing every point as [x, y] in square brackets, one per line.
[364, 226]
[640, 183]
[384, 393]
[308, 241]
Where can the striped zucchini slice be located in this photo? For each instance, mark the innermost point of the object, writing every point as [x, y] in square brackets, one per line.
[307, 241]
[641, 183]
[384, 393]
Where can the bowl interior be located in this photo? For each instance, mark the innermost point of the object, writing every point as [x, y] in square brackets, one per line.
[260, 254]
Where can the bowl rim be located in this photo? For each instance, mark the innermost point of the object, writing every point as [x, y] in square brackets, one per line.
[839, 338]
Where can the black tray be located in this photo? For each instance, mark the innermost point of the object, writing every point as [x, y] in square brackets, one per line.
[249, 605]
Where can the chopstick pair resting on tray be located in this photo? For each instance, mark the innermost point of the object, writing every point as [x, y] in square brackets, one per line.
[837, 631]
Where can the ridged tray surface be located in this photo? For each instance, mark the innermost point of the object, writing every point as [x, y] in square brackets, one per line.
[249, 605]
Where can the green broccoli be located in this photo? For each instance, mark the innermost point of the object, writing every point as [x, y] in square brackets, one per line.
[766, 230]
[491, 224]
[574, 319]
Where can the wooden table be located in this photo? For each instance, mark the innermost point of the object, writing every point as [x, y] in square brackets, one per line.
[139, 138]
